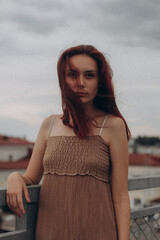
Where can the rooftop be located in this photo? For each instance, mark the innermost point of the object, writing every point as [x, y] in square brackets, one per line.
[137, 159]
[7, 140]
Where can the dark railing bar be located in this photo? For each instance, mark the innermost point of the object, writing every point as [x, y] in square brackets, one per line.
[33, 193]
[3, 197]
[144, 212]
[20, 234]
[146, 182]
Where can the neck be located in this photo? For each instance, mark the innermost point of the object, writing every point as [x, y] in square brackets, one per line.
[90, 109]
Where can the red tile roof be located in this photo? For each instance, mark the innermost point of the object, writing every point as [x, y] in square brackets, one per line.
[137, 159]
[6, 140]
[156, 200]
[22, 164]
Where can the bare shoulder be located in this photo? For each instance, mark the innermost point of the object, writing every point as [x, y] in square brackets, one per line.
[116, 123]
[114, 130]
[47, 121]
[45, 125]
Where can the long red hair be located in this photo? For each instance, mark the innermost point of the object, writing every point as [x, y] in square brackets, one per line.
[104, 101]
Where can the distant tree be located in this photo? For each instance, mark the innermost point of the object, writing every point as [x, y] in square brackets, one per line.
[147, 141]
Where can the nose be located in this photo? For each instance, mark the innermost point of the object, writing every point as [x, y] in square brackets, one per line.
[81, 82]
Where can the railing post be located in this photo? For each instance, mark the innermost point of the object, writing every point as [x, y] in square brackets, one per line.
[28, 220]
[25, 226]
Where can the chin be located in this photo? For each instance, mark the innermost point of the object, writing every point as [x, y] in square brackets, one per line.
[86, 101]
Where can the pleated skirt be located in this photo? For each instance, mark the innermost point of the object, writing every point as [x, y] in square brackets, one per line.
[75, 208]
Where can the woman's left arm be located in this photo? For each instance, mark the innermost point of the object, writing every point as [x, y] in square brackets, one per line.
[119, 177]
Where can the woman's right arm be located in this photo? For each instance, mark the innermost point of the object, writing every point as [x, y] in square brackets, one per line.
[16, 183]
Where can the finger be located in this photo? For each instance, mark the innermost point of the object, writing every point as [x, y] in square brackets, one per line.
[16, 211]
[26, 194]
[7, 199]
[13, 201]
[14, 206]
[20, 203]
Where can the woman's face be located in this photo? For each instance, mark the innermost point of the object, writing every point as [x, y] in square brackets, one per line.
[83, 79]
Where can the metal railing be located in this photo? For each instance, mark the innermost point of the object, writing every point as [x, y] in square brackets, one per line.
[145, 222]
[24, 226]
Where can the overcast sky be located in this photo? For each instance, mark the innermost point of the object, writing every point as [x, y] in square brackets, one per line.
[34, 33]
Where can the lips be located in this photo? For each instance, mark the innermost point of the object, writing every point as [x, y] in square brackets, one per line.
[81, 94]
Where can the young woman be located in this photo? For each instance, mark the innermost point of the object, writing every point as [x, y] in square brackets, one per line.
[83, 156]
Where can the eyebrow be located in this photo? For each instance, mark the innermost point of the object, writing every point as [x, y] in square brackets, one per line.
[90, 71]
[72, 70]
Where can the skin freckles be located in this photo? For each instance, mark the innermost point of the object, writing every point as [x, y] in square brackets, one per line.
[82, 78]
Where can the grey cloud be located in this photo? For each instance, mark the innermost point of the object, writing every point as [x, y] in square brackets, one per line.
[37, 24]
[130, 22]
[133, 23]
[35, 17]
[41, 5]
[141, 106]
[13, 127]
[46, 101]
[6, 46]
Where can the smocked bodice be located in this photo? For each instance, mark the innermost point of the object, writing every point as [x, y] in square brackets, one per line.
[69, 155]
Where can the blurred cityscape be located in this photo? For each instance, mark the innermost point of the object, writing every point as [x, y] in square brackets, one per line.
[144, 160]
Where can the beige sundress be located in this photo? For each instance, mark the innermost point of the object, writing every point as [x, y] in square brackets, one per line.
[75, 199]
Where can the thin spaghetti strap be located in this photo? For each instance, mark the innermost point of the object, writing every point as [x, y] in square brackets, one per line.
[104, 121]
[51, 124]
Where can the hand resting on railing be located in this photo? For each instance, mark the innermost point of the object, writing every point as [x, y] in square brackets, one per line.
[16, 186]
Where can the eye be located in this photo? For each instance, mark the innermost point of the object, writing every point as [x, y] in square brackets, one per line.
[72, 74]
[89, 75]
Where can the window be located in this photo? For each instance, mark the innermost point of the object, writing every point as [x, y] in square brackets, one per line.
[137, 201]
